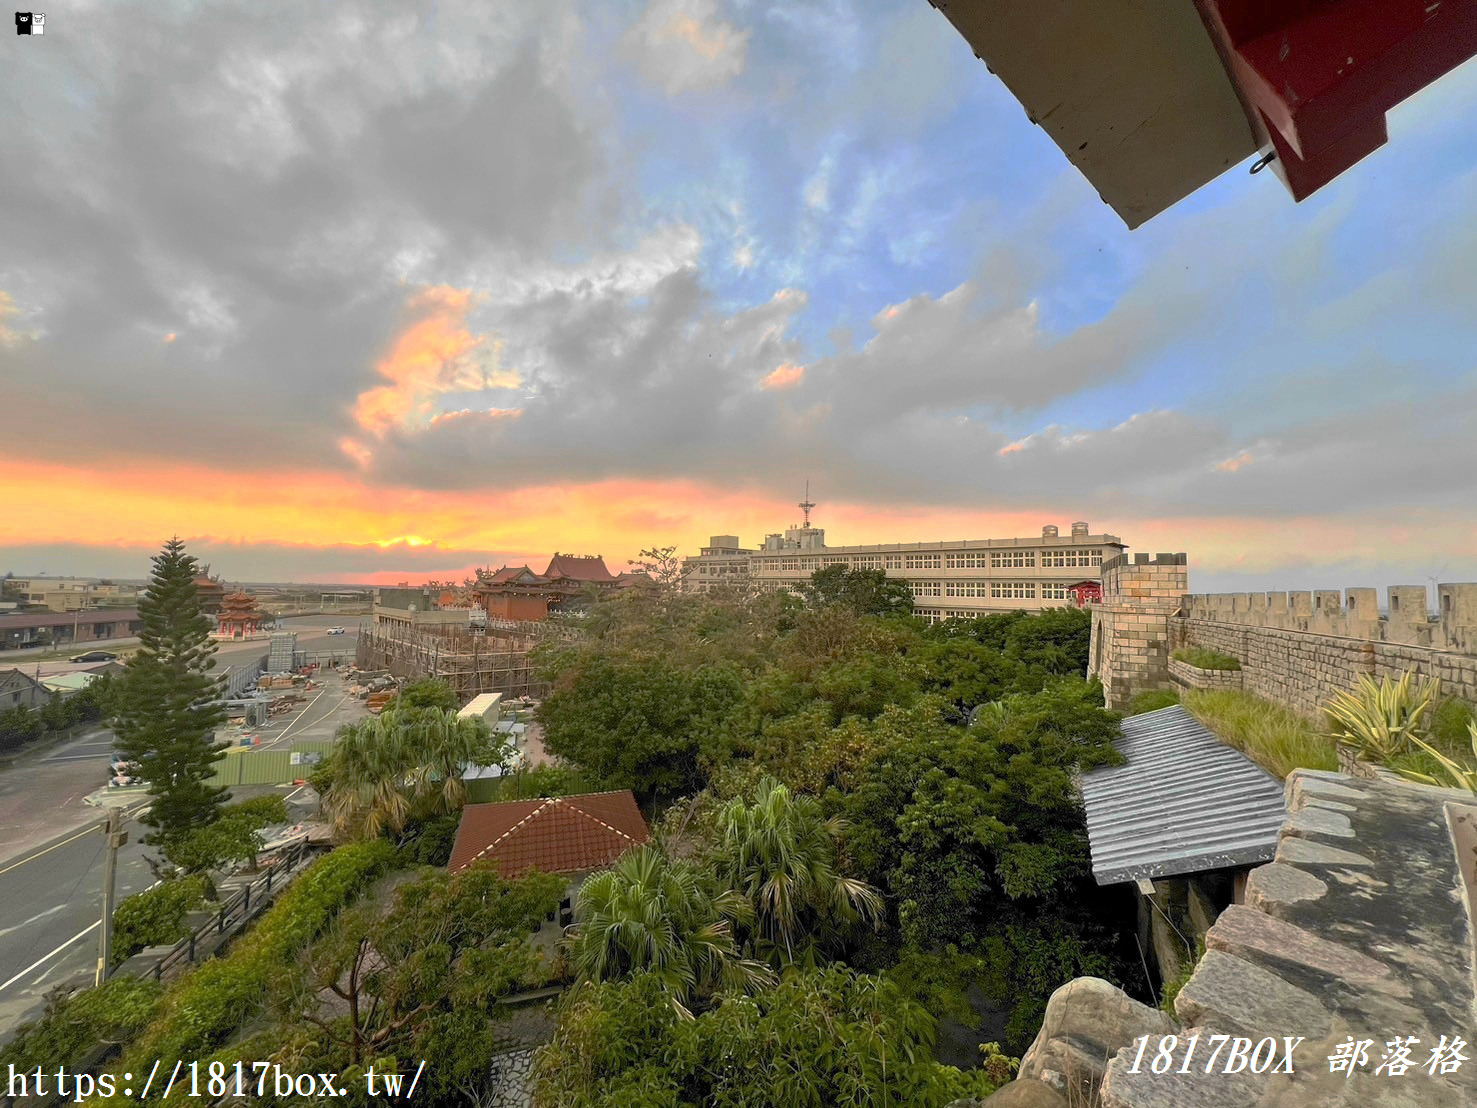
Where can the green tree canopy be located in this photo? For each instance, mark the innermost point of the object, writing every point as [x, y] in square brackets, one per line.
[165, 703]
[650, 914]
[429, 692]
[781, 853]
[647, 724]
[867, 592]
[818, 1039]
[404, 764]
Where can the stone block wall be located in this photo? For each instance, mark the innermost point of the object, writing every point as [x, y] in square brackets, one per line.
[1295, 648]
[1130, 627]
[1302, 669]
[1353, 614]
[1186, 676]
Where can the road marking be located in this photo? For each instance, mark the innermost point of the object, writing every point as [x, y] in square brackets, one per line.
[33, 919]
[299, 721]
[42, 960]
[129, 814]
[47, 957]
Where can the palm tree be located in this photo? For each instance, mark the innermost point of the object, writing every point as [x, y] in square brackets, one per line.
[649, 913]
[403, 763]
[367, 772]
[780, 853]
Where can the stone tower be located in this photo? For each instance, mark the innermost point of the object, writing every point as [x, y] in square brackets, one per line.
[1130, 626]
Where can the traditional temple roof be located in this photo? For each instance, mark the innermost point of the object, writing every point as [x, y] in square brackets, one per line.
[510, 574]
[574, 568]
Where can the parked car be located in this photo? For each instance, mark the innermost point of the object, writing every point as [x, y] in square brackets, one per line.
[336, 631]
[95, 656]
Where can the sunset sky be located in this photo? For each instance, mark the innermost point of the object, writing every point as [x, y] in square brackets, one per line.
[377, 292]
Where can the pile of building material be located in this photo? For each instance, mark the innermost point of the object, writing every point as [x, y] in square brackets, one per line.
[378, 701]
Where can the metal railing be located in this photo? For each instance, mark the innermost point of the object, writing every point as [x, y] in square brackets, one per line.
[234, 909]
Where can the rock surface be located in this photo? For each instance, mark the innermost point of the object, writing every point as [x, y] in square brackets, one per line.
[1357, 934]
[1087, 1021]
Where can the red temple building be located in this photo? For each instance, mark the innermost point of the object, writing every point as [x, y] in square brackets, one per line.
[239, 617]
[517, 592]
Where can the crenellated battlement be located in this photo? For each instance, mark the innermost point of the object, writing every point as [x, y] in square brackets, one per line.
[1352, 613]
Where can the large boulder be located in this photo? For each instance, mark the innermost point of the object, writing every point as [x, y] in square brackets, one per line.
[1088, 1020]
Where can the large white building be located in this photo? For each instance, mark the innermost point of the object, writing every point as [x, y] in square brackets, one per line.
[966, 578]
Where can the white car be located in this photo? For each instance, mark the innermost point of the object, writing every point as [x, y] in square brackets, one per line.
[336, 631]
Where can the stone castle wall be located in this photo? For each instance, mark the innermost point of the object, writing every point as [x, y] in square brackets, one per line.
[1295, 648]
[1130, 627]
[1302, 670]
[1186, 676]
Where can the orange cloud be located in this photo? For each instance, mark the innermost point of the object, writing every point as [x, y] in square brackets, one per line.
[171, 337]
[435, 355]
[784, 377]
[137, 503]
[1231, 465]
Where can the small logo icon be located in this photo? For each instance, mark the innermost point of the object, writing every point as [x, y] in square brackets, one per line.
[27, 23]
[38, 24]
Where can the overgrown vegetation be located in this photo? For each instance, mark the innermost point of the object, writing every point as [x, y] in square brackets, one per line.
[74, 1024]
[156, 916]
[213, 1000]
[1202, 657]
[1276, 738]
[818, 761]
[1151, 701]
[825, 1037]
[861, 822]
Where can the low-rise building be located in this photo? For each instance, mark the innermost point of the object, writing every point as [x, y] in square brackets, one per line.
[19, 689]
[70, 594]
[25, 629]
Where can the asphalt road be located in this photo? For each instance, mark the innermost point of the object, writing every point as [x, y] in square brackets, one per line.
[51, 853]
[307, 626]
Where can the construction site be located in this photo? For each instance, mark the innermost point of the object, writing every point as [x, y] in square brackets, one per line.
[494, 662]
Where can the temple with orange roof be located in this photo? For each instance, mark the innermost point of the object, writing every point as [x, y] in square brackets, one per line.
[517, 592]
[239, 617]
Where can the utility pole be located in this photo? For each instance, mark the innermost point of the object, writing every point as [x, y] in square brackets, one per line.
[116, 837]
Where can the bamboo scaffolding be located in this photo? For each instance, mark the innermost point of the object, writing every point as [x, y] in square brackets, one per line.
[470, 664]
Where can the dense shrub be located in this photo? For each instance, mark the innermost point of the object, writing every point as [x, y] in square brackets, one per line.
[429, 842]
[208, 1004]
[74, 1024]
[156, 916]
[826, 1037]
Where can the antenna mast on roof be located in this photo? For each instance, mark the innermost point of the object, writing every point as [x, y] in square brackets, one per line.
[805, 505]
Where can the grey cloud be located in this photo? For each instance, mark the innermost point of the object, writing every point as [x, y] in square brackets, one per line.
[210, 175]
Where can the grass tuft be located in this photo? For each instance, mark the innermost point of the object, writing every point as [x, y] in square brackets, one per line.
[1204, 658]
[1276, 738]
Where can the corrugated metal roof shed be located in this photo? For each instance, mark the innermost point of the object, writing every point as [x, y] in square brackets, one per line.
[1185, 802]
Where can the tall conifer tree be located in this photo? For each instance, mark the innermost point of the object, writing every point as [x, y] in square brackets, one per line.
[164, 710]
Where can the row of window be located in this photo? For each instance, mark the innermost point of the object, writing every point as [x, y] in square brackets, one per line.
[975, 559]
[1072, 556]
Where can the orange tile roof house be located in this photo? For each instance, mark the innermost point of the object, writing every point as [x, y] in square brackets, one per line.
[566, 834]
